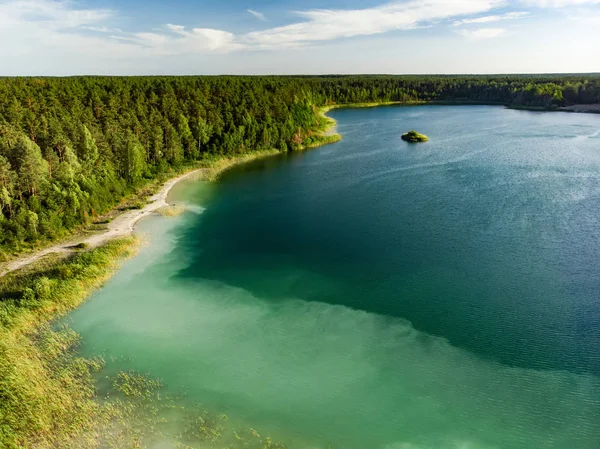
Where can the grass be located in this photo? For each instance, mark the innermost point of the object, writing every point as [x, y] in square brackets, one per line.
[320, 140]
[216, 166]
[46, 391]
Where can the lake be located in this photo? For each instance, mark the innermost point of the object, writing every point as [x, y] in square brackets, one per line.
[379, 294]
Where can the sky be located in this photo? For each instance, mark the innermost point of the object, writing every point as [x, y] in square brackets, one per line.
[202, 37]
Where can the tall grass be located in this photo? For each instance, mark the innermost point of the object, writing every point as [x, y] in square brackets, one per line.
[46, 391]
[216, 166]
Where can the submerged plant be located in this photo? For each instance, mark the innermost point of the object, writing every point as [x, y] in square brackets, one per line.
[50, 397]
[171, 210]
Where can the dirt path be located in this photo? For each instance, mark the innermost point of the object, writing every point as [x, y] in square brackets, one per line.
[120, 226]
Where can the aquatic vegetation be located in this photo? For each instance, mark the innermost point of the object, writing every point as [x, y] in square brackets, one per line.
[46, 391]
[172, 210]
[50, 397]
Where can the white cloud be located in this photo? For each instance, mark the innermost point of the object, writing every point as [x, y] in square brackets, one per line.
[176, 28]
[51, 23]
[482, 33]
[103, 29]
[178, 40]
[558, 3]
[328, 24]
[50, 14]
[202, 39]
[47, 28]
[495, 18]
[258, 15]
[63, 28]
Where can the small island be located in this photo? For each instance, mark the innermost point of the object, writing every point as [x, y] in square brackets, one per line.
[413, 136]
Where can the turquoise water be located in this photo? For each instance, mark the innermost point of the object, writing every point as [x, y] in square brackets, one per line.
[378, 294]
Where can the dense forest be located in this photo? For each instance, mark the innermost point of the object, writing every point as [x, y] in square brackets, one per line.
[546, 91]
[71, 148]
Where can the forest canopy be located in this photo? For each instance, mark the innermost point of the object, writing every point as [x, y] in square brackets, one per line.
[71, 148]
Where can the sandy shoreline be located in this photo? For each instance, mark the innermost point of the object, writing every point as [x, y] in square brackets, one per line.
[124, 223]
[120, 226]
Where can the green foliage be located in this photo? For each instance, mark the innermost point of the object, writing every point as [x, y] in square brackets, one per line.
[89, 150]
[414, 137]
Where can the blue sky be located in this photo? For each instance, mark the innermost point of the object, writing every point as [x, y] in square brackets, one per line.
[132, 37]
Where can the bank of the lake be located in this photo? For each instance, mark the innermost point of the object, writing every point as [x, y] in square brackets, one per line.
[49, 395]
[368, 295]
[121, 221]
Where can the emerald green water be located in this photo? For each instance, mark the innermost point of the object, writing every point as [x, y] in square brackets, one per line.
[378, 294]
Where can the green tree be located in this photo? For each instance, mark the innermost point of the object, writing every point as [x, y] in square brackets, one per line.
[31, 168]
[5, 201]
[157, 144]
[187, 139]
[6, 174]
[133, 160]
[173, 147]
[204, 133]
[73, 147]
[88, 150]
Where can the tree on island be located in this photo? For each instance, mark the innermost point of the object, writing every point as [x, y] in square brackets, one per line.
[413, 136]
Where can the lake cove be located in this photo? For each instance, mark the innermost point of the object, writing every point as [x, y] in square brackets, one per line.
[359, 296]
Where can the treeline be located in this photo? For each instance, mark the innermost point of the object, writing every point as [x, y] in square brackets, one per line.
[523, 90]
[71, 148]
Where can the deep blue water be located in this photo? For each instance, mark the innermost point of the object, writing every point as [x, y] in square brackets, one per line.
[488, 235]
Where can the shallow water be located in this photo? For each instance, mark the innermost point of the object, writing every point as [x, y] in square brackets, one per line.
[374, 293]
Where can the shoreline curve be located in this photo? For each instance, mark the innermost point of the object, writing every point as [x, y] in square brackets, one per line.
[122, 225]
